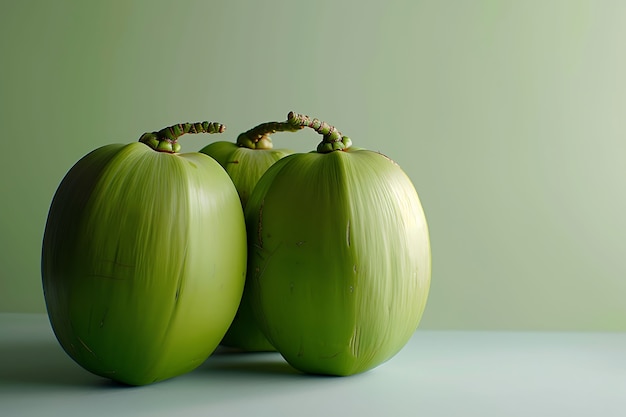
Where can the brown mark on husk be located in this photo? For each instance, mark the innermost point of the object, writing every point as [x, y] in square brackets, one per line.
[86, 347]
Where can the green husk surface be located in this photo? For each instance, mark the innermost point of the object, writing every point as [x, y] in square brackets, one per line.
[143, 261]
[339, 259]
[245, 166]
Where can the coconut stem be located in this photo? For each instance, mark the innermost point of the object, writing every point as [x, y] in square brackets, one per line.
[259, 137]
[166, 139]
[333, 139]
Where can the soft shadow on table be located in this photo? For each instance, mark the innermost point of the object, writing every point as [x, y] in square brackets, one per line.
[253, 363]
[44, 363]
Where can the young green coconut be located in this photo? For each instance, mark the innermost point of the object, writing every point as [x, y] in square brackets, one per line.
[245, 161]
[339, 256]
[144, 258]
[250, 156]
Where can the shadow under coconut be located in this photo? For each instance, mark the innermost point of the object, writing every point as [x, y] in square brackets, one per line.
[262, 364]
[231, 360]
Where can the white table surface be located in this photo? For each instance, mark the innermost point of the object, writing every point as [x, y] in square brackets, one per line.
[438, 373]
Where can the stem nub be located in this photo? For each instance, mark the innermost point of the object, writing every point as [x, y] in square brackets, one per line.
[259, 137]
[166, 139]
[333, 139]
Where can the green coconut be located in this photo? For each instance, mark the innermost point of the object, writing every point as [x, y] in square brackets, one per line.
[245, 161]
[339, 256]
[144, 258]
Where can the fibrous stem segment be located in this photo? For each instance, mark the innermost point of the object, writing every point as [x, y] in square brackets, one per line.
[333, 139]
[166, 139]
[259, 137]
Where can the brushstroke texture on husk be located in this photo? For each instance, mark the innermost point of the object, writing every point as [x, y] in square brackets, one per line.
[244, 165]
[245, 162]
[143, 261]
[339, 259]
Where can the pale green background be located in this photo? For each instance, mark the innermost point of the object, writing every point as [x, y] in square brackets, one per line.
[509, 117]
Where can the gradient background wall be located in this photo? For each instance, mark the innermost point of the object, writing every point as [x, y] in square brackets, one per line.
[509, 117]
